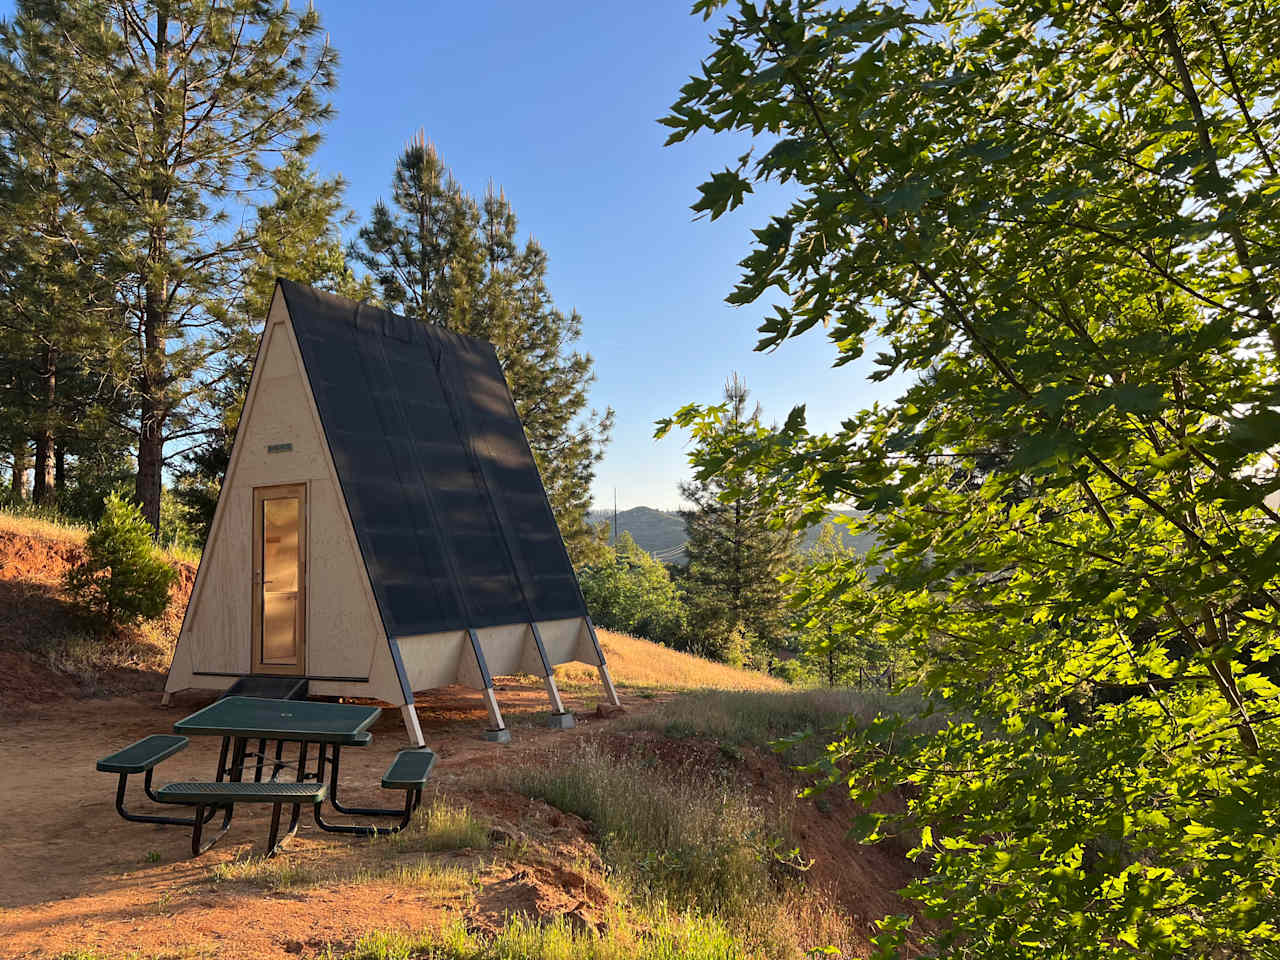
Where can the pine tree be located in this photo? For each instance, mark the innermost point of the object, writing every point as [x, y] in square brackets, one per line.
[296, 236]
[183, 104]
[418, 249]
[736, 557]
[53, 294]
[437, 255]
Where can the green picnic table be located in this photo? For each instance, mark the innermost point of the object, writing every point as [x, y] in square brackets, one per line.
[240, 720]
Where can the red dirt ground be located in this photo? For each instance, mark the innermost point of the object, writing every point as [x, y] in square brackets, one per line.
[76, 876]
[73, 875]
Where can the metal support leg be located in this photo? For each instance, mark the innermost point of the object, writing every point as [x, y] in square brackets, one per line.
[275, 829]
[237, 759]
[197, 847]
[356, 811]
[222, 759]
[411, 725]
[262, 754]
[560, 719]
[278, 764]
[557, 705]
[609, 692]
[273, 844]
[497, 731]
[411, 801]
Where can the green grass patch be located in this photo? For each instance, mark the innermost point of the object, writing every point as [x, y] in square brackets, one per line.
[182, 953]
[666, 938]
[439, 825]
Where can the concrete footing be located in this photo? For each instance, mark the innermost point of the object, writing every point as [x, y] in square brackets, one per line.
[561, 721]
[498, 736]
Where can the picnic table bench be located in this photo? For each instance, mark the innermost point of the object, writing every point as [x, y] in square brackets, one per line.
[217, 794]
[239, 720]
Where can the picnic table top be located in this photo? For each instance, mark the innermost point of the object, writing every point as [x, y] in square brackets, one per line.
[341, 723]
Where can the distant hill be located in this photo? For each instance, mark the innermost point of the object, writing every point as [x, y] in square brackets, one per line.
[661, 532]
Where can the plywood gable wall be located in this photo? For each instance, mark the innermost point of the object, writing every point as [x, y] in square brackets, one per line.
[345, 638]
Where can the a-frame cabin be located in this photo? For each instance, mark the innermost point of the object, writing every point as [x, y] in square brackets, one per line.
[382, 527]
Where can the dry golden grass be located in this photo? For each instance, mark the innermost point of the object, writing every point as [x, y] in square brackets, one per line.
[640, 663]
[38, 526]
[28, 525]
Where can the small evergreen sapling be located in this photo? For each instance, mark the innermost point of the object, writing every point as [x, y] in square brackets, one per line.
[121, 580]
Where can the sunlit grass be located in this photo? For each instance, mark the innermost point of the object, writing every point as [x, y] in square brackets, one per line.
[693, 842]
[760, 718]
[438, 825]
[663, 937]
[635, 662]
[284, 873]
[29, 521]
[180, 953]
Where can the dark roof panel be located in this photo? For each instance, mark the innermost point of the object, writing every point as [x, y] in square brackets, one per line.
[443, 491]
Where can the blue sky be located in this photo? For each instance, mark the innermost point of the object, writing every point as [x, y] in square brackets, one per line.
[558, 103]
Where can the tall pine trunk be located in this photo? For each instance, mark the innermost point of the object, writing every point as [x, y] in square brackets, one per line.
[59, 467]
[151, 413]
[21, 462]
[43, 483]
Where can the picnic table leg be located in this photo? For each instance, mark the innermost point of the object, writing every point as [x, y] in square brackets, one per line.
[356, 811]
[273, 844]
[222, 758]
[411, 800]
[237, 759]
[279, 763]
[197, 847]
[262, 755]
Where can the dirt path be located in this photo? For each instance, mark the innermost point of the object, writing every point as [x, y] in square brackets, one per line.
[73, 875]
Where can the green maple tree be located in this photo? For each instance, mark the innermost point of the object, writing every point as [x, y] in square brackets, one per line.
[1060, 222]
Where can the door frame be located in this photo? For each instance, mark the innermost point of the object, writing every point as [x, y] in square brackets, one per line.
[261, 494]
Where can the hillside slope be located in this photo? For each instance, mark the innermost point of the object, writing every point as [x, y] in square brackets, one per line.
[46, 652]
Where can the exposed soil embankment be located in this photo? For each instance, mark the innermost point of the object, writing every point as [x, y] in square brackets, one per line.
[47, 650]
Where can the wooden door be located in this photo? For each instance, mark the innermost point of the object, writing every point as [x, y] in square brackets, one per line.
[280, 579]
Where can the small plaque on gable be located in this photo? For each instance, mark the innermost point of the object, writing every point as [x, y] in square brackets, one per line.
[279, 447]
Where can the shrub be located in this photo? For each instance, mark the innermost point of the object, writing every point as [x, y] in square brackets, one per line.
[121, 579]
